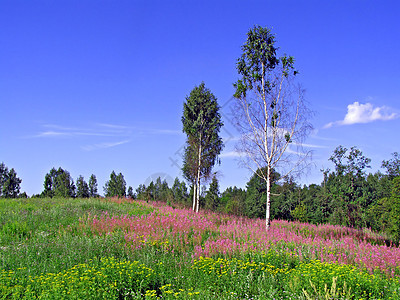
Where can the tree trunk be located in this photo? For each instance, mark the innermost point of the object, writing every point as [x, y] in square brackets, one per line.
[198, 175]
[198, 196]
[194, 195]
[268, 208]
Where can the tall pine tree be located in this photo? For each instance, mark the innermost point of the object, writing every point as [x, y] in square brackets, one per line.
[93, 186]
[82, 188]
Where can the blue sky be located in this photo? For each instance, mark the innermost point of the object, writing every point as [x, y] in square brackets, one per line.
[96, 86]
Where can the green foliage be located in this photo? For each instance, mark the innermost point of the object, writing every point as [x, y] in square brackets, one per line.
[202, 123]
[347, 196]
[9, 182]
[130, 193]
[116, 186]
[212, 198]
[393, 165]
[93, 186]
[347, 185]
[256, 195]
[58, 183]
[3, 176]
[384, 215]
[82, 188]
[284, 199]
[300, 213]
[258, 58]
[395, 213]
[255, 198]
[158, 191]
[141, 192]
[180, 192]
[233, 201]
[349, 161]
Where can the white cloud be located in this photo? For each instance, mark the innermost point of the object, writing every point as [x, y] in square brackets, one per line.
[310, 145]
[52, 134]
[364, 113]
[104, 145]
[231, 154]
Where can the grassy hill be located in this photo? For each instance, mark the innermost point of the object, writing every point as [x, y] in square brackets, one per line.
[128, 249]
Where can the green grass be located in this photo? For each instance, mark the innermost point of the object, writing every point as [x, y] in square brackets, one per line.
[42, 235]
[22, 219]
[45, 254]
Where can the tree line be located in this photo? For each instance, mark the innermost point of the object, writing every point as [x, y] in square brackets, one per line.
[348, 194]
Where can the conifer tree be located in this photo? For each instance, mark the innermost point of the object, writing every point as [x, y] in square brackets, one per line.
[82, 188]
[93, 186]
[116, 186]
[213, 196]
[10, 183]
[179, 191]
[130, 193]
[3, 176]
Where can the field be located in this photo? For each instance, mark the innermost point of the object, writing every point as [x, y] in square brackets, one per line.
[128, 249]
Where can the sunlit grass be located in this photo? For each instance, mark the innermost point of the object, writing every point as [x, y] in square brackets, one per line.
[124, 249]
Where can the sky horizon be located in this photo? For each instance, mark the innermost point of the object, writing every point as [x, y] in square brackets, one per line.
[98, 86]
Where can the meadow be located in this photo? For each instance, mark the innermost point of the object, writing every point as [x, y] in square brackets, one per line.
[129, 249]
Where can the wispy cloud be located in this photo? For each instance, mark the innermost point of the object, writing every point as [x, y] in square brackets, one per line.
[164, 131]
[98, 130]
[55, 134]
[231, 154]
[104, 145]
[51, 133]
[310, 146]
[113, 126]
[54, 131]
[364, 113]
[95, 134]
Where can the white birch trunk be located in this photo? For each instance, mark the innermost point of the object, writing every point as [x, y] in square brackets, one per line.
[198, 196]
[194, 195]
[268, 206]
[198, 178]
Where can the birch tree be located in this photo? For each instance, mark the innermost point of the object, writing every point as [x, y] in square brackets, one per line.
[201, 122]
[270, 112]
